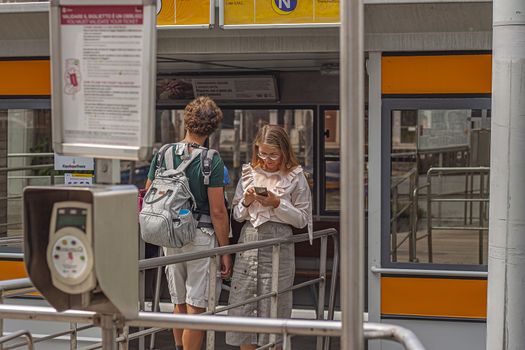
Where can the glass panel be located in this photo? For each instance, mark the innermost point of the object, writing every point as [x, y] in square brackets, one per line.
[332, 185]
[331, 132]
[238, 130]
[439, 194]
[22, 131]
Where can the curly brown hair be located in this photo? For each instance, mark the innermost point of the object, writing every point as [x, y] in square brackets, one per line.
[202, 116]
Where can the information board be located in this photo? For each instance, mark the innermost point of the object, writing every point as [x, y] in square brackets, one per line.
[185, 13]
[442, 129]
[220, 88]
[278, 12]
[103, 74]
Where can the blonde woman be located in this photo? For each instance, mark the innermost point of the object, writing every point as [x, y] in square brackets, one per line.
[271, 197]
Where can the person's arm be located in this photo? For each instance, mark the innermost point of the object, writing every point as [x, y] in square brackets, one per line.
[241, 201]
[221, 225]
[296, 212]
[151, 172]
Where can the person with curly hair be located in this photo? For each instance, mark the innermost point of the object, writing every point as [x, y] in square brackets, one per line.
[188, 281]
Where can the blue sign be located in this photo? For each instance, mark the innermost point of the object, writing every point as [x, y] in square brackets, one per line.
[284, 7]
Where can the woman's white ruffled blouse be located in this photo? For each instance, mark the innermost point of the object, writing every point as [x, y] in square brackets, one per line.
[291, 188]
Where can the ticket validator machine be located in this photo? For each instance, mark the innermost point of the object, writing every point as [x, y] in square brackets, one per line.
[81, 247]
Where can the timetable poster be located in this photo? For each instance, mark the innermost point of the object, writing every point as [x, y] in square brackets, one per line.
[102, 57]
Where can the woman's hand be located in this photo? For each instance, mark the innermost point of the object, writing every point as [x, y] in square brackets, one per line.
[271, 200]
[249, 197]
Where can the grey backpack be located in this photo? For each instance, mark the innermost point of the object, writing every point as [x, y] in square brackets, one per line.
[167, 215]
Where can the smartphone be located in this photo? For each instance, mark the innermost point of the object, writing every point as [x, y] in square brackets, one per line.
[261, 191]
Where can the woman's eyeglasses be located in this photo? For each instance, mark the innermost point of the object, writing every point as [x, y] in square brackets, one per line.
[268, 156]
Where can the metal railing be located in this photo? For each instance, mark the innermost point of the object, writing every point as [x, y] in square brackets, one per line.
[469, 197]
[481, 197]
[158, 321]
[275, 243]
[52, 178]
[410, 205]
[216, 323]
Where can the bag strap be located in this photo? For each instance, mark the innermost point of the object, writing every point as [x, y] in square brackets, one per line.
[162, 154]
[194, 154]
[206, 163]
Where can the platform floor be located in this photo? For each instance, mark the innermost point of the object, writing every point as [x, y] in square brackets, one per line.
[164, 341]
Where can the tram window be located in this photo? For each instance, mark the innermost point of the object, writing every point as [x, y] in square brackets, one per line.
[237, 133]
[439, 189]
[331, 132]
[22, 131]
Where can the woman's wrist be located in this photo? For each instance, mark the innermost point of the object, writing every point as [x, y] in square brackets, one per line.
[276, 203]
[244, 204]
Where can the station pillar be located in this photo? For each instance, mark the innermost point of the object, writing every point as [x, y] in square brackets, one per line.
[506, 284]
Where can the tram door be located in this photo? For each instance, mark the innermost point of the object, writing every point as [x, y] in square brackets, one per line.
[429, 270]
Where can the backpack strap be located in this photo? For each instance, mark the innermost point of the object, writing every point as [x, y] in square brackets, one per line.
[162, 155]
[188, 159]
[206, 163]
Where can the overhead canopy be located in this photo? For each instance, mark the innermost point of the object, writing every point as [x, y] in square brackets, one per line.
[439, 26]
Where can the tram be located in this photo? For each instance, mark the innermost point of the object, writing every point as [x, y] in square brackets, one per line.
[427, 149]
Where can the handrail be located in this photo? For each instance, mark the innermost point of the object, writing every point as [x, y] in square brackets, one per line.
[30, 155]
[15, 284]
[27, 167]
[469, 198]
[48, 337]
[151, 263]
[11, 240]
[403, 178]
[457, 169]
[423, 272]
[17, 334]
[220, 323]
[275, 242]
[11, 256]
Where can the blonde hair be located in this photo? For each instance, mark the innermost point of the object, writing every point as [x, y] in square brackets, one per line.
[275, 136]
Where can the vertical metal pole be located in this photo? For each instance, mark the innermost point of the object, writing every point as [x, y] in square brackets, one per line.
[1, 319]
[393, 224]
[481, 221]
[156, 299]
[287, 341]
[276, 249]
[73, 337]
[465, 205]
[352, 191]
[375, 210]
[412, 242]
[142, 288]
[109, 332]
[124, 344]
[236, 147]
[429, 217]
[472, 176]
[322, 287]
[212, 298]
[506, 300]
[440, 177]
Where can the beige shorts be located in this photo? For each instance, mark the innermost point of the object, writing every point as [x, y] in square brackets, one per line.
[188, 281]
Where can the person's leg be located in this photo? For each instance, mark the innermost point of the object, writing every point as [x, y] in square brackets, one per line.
[177, 332]
[192, 339]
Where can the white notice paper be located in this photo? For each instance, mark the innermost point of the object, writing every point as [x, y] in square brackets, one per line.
[102, 56]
